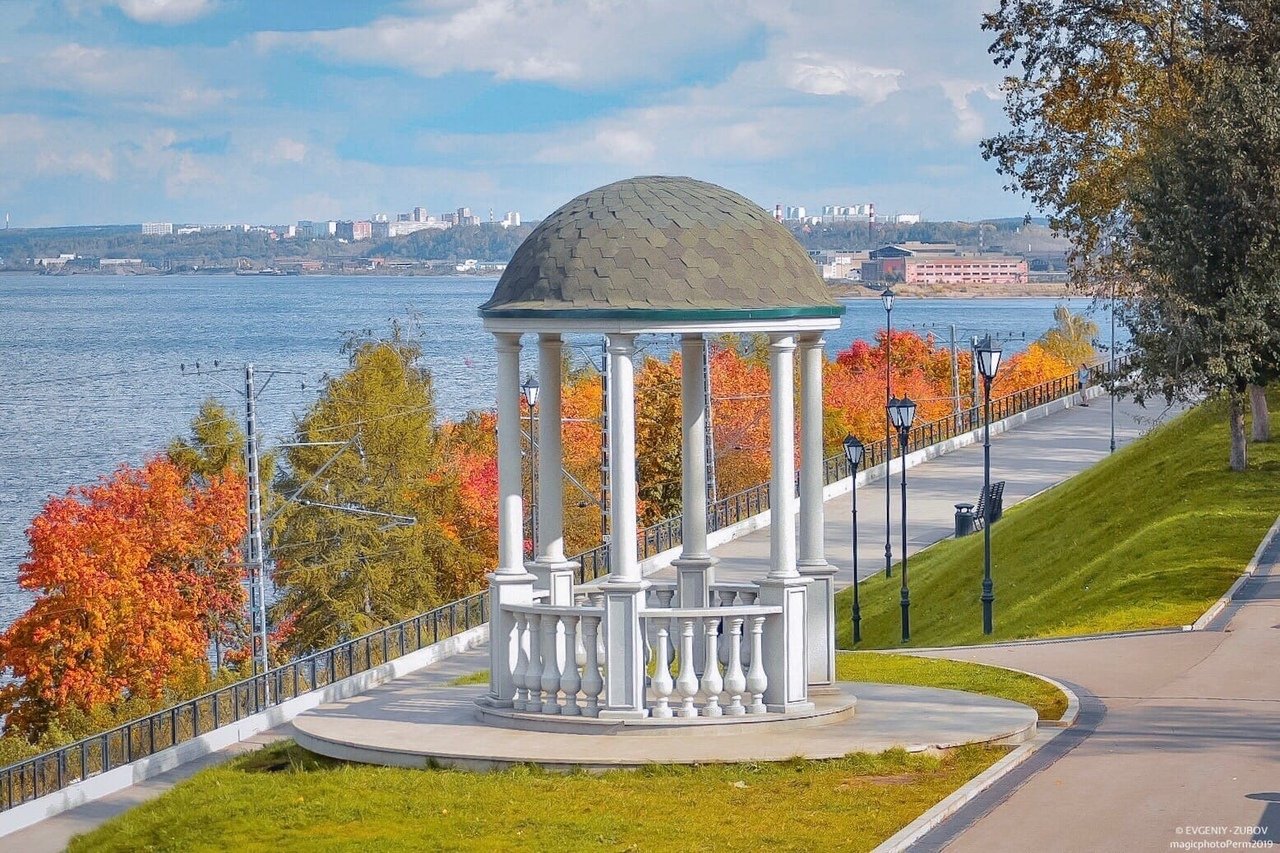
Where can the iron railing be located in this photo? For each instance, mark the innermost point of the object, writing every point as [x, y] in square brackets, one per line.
[54, 770]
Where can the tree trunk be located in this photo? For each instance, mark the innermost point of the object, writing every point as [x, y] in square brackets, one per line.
[1235, 416]
[1258, 409]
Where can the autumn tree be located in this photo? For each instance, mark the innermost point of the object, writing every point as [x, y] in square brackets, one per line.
[1094, 83]
[349, 567]
[130, 575]
[1071, 337]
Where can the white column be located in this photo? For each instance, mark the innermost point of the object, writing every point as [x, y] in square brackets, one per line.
[553, 572]
[785, 641]
[509, 583]
[694, 567]
[812, 561]
[624, 696]
[623, 562]
[782, 449]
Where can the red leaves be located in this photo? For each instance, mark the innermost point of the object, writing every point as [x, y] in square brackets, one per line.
[134, 574]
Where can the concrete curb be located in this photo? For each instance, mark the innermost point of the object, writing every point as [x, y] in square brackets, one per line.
[1048, 730]
[1039, 641]
[952, 803]
[1218, 606]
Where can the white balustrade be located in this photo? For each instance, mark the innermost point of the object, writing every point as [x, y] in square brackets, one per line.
[735, 681]
[712, 683]
[592, 679]
[756, 681]
[558, 653]
[662, 684]
[570, 681]
[522, 660]
[550, 664]
[687, 683]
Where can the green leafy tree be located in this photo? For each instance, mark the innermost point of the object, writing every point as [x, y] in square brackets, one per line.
[349, 567]
[1206, 232]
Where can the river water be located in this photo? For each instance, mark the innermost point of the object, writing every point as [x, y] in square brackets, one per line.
[93, 366]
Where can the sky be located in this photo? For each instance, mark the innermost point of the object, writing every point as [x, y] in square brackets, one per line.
[270, 111]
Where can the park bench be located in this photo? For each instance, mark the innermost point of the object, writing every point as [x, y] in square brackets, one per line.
[970, 518]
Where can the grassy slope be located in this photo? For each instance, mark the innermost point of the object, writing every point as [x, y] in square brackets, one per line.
[284, 798]
[1147, 538]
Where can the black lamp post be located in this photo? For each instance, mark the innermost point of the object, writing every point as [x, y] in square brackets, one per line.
[901, 414]
[988, 355]
[530, 391]
[854, 451]
[886, 299]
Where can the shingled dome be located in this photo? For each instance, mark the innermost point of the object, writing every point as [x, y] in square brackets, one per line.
[660, 248]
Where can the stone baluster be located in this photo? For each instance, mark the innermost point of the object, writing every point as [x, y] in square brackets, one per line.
[687, 683]
[735, 681]
[726, 596]
[592, 681]
[570, 681]
[665, 596]
[662, 684]
[757, 683]
[550, 664]
[748, 596]
[712, 683]
[533, 673]
[579, 650]
[522, 661]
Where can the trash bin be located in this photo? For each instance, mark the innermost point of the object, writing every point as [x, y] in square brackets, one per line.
[964, 519]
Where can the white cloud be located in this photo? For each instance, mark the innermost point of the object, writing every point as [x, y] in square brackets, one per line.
[566, 42]
[165, 11]
[150, 80]
[820, 74]
[970, 124]
[289, 150]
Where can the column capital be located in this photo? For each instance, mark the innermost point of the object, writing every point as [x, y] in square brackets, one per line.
[782, 342]
[811, 340]
[621, 343]
[549, 337]
[507, 341]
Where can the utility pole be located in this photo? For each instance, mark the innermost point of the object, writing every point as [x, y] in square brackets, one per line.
[604, 442]
[710, 426]
[955, 379]
[973, 364]
[254, 559]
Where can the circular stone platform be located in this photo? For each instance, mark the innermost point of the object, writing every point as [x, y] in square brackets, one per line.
[411, 723]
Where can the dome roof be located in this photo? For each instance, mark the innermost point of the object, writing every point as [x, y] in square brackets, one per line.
[662, 248]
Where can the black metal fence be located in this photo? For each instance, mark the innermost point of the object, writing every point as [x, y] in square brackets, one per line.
[51, 771]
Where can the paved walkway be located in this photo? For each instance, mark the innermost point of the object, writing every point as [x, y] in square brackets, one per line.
[1181, 741]
[1030, 459]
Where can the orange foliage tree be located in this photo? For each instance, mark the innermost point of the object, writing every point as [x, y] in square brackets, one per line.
[132, 573]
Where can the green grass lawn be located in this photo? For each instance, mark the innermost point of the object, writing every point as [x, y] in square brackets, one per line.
[287, 798]
[1049, 701]
[284, 798]
[1147, 538]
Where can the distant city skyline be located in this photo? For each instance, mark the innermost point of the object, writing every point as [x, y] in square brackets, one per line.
[129, 111]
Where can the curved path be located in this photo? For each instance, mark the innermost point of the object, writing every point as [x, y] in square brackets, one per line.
[1179, 740]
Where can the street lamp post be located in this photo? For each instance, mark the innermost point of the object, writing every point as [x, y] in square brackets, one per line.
[886, 299]
[530, 391]
[1111, 367]
[854, 451]
[901, 414]
[988, 357]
